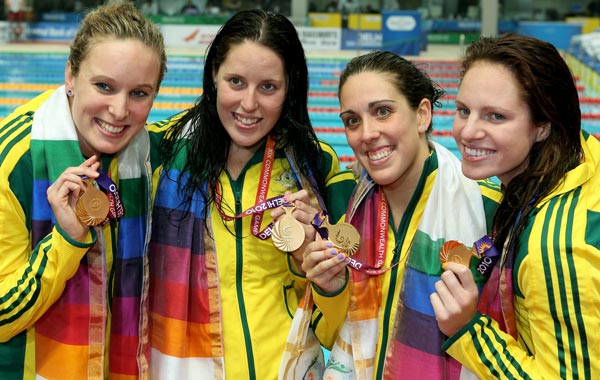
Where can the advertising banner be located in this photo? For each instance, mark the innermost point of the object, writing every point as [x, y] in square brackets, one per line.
[320, 38]
[328, 20]
[364, 21]
[197, 36]
[360, 40]
[558, 34]
[50, 31]
[401, 32]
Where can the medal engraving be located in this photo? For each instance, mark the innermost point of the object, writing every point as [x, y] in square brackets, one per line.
[453, 251]
[343, 236]
[92, 207]
[288, 233]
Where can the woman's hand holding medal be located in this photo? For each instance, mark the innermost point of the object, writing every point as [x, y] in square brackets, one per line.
[325, 265]
[456, 294]
[293, 231]
[322, 260]
[66, 191]
[325, 259]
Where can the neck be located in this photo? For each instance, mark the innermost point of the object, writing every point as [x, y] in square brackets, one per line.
[400, 192]
[238, 158]
[397, 201]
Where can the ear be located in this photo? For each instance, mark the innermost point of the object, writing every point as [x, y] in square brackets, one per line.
[543, 132]
[424, 115]
[69, 77]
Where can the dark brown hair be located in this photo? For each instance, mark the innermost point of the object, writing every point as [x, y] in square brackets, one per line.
[548, 88]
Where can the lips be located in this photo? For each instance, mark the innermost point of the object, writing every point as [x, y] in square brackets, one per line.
[379, 154]
[474, 152]
[245, 120]
[110, 128]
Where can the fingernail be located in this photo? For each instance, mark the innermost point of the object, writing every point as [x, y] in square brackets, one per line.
[341, 256]
[285, 199]
[333, 252]
[329, 244]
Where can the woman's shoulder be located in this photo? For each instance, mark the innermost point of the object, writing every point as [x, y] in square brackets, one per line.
[16, 127]
[490, 189]
[162, 126]
[28, 108]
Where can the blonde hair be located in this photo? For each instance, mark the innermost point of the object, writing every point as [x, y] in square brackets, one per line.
[118, 21]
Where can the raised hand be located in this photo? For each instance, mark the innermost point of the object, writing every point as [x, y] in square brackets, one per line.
[455, 299]
[325, 266]
[64, 193]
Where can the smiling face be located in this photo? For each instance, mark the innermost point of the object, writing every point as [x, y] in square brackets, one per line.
[493, 127]
[112, 94]
[387, 136]
[251, 88]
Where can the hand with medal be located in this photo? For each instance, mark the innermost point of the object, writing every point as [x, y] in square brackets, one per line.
[293, 230]
[65, 192]
[325, 265]
[325, 260]
[456, 294]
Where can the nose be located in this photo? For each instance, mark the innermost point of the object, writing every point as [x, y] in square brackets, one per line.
[118, 107]
[370, 130]
[467, 128]
[249, 101]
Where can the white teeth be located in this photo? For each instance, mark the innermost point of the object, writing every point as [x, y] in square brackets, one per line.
[478, 152]
[246, 121]
[380, 155]
[110, 128]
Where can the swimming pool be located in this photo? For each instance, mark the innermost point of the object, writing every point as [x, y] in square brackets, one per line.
[24, 75]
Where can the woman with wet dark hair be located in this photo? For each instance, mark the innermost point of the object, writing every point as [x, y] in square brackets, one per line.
[226, 280]
[410, 199]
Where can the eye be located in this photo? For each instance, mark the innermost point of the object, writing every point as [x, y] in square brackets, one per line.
[103, 86]
[269, 87]
[236, 82]
[139, 94]
[462, 112]
[350, 121]
[496, 117]
[382, 111]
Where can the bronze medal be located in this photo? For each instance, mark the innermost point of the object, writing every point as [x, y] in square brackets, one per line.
[454, 251]
[288, 233]
[92, 207]
[343, 236]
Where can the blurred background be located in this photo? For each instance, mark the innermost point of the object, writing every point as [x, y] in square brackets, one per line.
[35, 36]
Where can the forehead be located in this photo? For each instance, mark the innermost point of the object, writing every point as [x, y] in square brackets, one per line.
[252, 58]
[493, 81]
[369, 86]
[129, 61]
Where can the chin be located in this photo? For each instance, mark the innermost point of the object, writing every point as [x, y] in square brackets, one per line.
[475, 175]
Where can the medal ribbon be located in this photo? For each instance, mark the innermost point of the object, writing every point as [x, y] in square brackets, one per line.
[380, 242]
[262, 204]
[488, 255]
[116, 208]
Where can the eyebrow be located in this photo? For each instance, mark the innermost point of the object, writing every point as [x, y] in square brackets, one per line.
[149, 86]
[110, 80]
[370, 105]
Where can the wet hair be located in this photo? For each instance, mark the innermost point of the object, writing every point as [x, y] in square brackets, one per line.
[207, 137]
[411, 81]
[116, 21]
[548, 88]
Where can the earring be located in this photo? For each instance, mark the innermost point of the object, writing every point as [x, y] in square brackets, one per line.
[422, 128]
[69, 92]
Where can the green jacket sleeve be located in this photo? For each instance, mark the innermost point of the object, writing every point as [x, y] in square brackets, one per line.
[330, 310]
